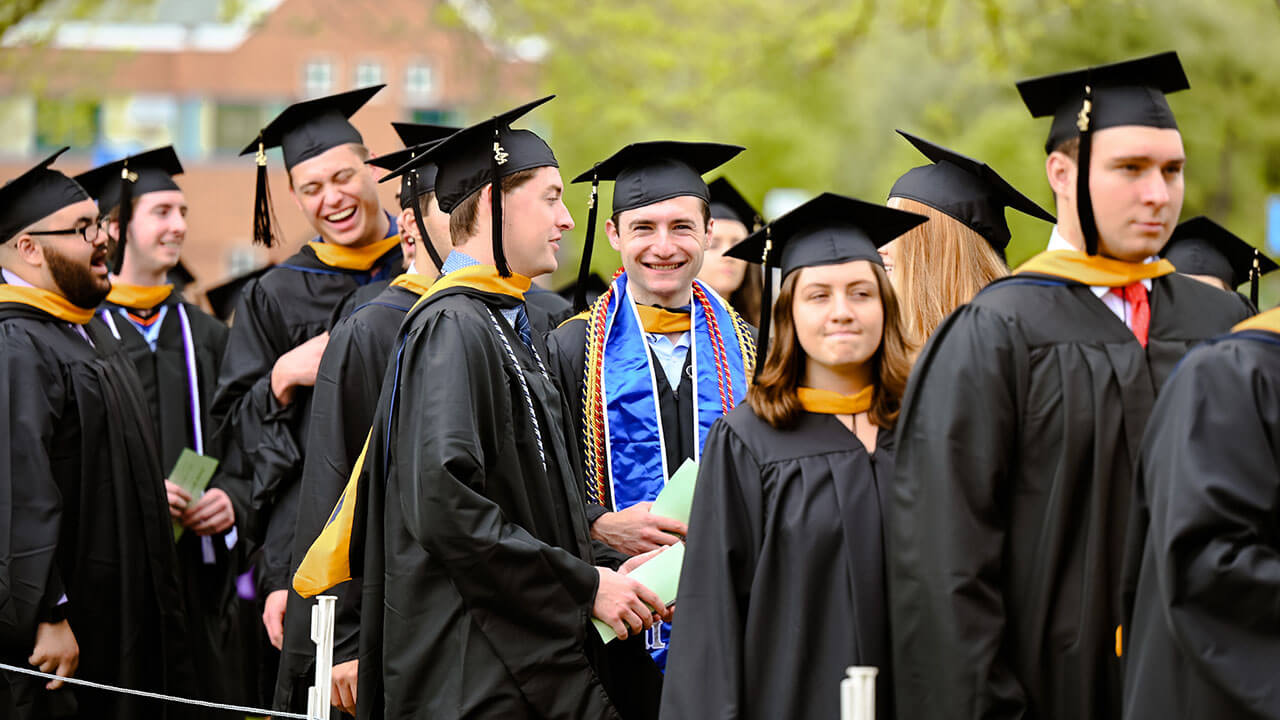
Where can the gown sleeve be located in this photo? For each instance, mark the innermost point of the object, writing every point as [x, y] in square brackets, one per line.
[30, 503]
[945, 524]
[253, 423]
[1211, 467]
[704, 675]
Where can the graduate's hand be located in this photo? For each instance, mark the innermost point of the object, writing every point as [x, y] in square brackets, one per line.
[636, 561]
[273, 616]
[344, 683]
[624, 604]
[297, 368]
[178, 499]
[636, 531]
[213, 514]
[56, 651]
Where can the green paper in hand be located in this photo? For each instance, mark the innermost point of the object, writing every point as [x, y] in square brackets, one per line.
[676, 499]
[661, 574]
[192, 473]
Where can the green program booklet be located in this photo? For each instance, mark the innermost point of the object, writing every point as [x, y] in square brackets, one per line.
[661, 574]
[676, 499]
[192, 473]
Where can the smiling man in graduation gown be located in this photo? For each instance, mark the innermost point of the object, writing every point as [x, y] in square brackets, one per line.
[469, 505]
[176, 349]
[659, 357]
[1021, 426]
[88, 572]
[264, 390]
[342, 404]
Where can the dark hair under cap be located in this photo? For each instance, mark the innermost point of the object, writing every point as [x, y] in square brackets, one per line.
[35, 195]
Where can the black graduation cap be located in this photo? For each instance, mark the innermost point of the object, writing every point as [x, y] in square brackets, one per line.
[828, 230]
[1084, 101]
[646, 173]
[420, 180]
[966, 189]
[118, 183]
[481, 154]
[36, 194]
[302, 131]
[222, 297]
[592, 288]
[1200, 246]
[729, 204]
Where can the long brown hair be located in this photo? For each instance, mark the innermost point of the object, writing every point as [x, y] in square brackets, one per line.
[773, 394]
[941, 265]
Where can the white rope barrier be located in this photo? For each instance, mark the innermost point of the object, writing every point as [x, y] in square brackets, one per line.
[318, 697]
[858, 694]
[155, 696]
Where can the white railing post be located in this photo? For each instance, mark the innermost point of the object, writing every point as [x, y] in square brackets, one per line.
[320, 695]
[858, 694]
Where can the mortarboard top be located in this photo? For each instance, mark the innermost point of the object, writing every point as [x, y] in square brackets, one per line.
[302, 131]
[117, 183]
[149, 171]
[644, 174]
[419, 133]
[1124, 93]
[1104, 96]
[481, 154]
[34, 195]
[728, 203]
[311, 127]
[828, 230]
[1200, 246]
[966, 189]
[223, 297]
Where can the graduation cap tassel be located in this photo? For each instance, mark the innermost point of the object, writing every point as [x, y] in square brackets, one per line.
[588, 245]
[124, 216]
[1255, 272]
[422, 230]
[262, 212]
[766, 303]
[495, 206]
[1084, 202]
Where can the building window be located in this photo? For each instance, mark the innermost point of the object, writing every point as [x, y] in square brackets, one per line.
[436, 117]
[368, 73]
[235, 125]
[317, 78]
[67, 121]
[419, 82]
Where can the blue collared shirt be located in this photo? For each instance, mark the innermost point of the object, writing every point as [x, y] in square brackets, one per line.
[458, 260]
[671, 355]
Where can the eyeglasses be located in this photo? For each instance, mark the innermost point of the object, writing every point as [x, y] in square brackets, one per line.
[88, 232]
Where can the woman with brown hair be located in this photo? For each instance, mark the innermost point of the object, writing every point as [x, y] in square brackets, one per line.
[941, 265]
[783, 583]
[734, 279]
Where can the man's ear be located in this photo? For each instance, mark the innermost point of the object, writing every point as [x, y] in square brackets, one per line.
[407, 224]
[1061, 172]
[706, 237]
[611, 231]
[113, 229]
[29, 250]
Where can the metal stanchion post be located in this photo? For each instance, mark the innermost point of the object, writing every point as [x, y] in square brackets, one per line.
[320, 695]
[858, 694]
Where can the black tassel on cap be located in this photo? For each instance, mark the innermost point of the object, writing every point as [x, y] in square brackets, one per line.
[124, 215]
[422, 229]
[499, 157]
[766, 304]
[1255, 273]
[262, 210]
[588, 245]
[1084, 201]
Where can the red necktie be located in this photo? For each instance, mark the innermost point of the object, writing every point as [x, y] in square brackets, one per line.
[1139, 309]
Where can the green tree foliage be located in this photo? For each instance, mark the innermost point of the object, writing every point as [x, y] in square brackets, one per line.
[814, 89]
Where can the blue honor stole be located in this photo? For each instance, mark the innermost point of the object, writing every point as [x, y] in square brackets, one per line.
[635, 442]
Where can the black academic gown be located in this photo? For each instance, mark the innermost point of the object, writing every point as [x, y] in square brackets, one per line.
[1205, 636]
[1016, 448]
[477, 555]
[783, 584]
[288, 305]
[208, 587]
[85, 514]
[342, 406]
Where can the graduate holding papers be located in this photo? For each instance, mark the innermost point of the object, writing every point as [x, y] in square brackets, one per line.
[783, 583]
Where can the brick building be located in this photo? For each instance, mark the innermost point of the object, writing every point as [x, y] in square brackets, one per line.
[142, 74]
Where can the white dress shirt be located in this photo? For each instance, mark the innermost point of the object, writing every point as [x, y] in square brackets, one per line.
[1116, 304]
